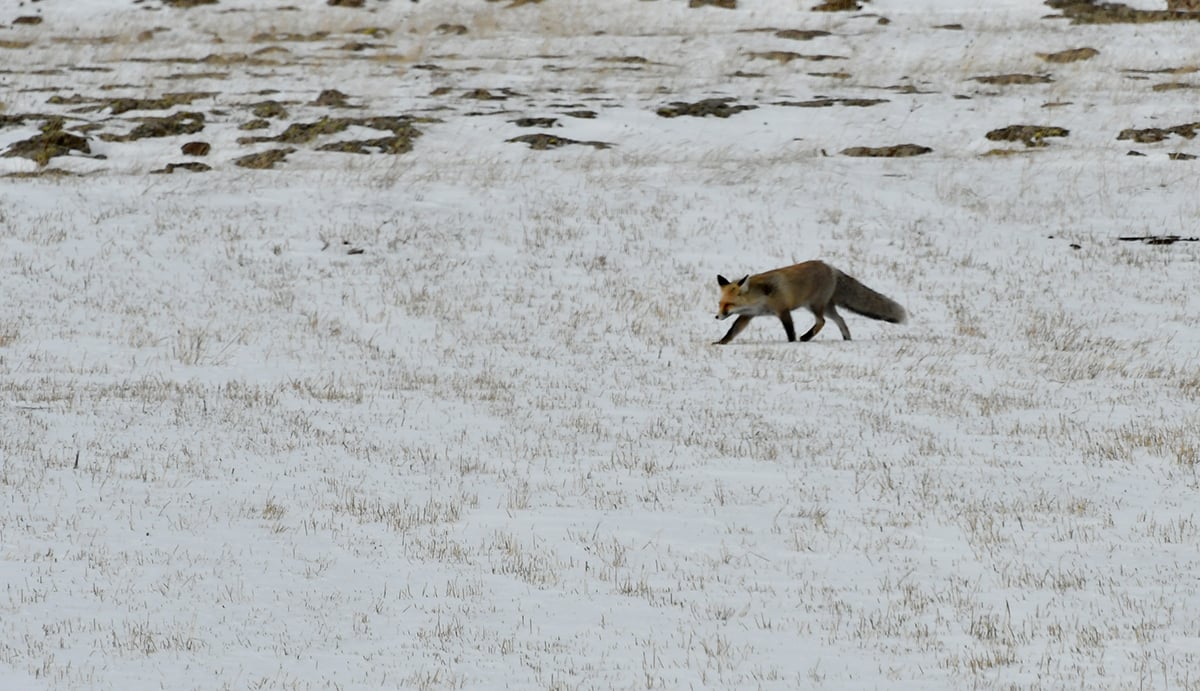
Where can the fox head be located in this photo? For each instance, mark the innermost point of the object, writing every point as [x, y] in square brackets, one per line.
[731, 295]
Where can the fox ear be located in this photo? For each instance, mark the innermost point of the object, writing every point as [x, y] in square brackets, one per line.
[742, 282]
[722, 281]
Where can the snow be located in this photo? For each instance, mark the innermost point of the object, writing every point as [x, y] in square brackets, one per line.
[497, 449]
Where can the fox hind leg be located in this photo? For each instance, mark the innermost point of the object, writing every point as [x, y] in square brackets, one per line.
[832, 312]
[819, 313]
[739, 325]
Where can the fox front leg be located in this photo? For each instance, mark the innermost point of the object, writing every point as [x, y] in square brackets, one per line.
[786, 318]
[739, 325]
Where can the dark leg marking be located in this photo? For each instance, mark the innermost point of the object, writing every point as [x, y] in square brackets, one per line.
[786, 318]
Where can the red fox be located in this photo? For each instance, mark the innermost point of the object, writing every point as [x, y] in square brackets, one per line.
[813, 284]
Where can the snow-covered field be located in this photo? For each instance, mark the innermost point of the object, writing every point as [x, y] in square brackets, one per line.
[452, 418]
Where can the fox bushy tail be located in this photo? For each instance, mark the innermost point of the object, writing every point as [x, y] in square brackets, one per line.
[858, 298]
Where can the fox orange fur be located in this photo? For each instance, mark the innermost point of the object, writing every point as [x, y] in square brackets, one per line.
[812, 284]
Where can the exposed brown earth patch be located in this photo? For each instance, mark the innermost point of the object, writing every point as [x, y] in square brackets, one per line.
[1093, 12]
[838, 6]
[185, 122]
[42, 173]
[484, 95]
[1072, 55]
[1184, 69]
[190, 166]
[1173, 86]
[288, 36]
[1150, 135]
[165, 102]
[716, 107]
[397, 144]
[827, 102]
[1014, 79]
[534, 122]
[897, 151]
[53, 141]
[332, 98]
[1030, 135]
[801, 34]
[542, 141]
[786, 56]
[263, 160]
[269, 109]
[403, 134]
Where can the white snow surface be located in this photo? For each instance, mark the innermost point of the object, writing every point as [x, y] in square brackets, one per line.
[453, 418]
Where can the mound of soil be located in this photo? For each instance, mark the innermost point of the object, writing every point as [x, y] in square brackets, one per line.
[196, 148]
